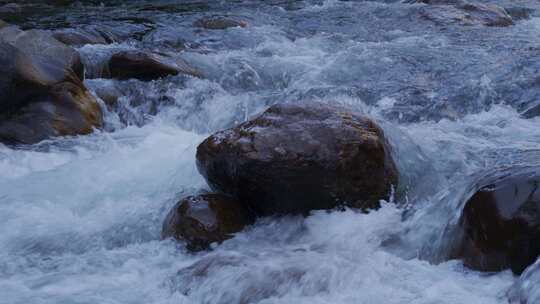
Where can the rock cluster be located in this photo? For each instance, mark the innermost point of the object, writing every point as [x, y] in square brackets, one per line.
[295, 158]
[43, 94]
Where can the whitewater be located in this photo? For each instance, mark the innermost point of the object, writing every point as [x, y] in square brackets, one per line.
[81, 216]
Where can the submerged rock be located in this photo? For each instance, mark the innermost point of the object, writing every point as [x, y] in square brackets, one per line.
[42, 98]
[147, 66]
[300, 157]
[109, 92]
[205, 219]
[218, 23]
[501, 222]
[446, 12]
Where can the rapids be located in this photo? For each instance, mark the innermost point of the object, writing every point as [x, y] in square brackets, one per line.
[81, 216]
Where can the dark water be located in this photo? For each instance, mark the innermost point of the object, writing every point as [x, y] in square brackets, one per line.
[80, 217]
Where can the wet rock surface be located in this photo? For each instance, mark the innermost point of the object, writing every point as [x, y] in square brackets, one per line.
[38, 43]
[218, 23]
[43, 96]
[147, 66]
[501, 222]
[205, 219]
[445, 12]
[81, 216]
[80, 37]
[295, 158]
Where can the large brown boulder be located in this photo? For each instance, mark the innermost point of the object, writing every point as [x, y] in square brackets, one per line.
[147, 66]
[205, 219]
[501, 221]
[300, 157]
[41, 98]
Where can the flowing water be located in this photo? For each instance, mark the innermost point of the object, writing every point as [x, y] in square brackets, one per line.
[81, 217]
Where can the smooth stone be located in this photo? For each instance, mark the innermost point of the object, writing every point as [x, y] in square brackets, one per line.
[295, 158]
[501, 221]
[205, 219]
[147, 66]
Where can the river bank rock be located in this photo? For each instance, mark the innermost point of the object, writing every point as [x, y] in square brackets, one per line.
[42, 97]
[205, 219]
[445, 12]
[501, 222]
[218, 23]
[295, 158]
[147, 66]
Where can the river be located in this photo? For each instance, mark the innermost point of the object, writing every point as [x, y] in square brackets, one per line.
[81, 216]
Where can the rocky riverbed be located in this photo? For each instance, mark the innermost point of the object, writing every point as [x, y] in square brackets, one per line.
[297, 151]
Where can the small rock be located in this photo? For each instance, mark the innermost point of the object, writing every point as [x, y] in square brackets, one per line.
[218, 23]
[501, 221]
[205, 219]
[295, 158]
[147, 66]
